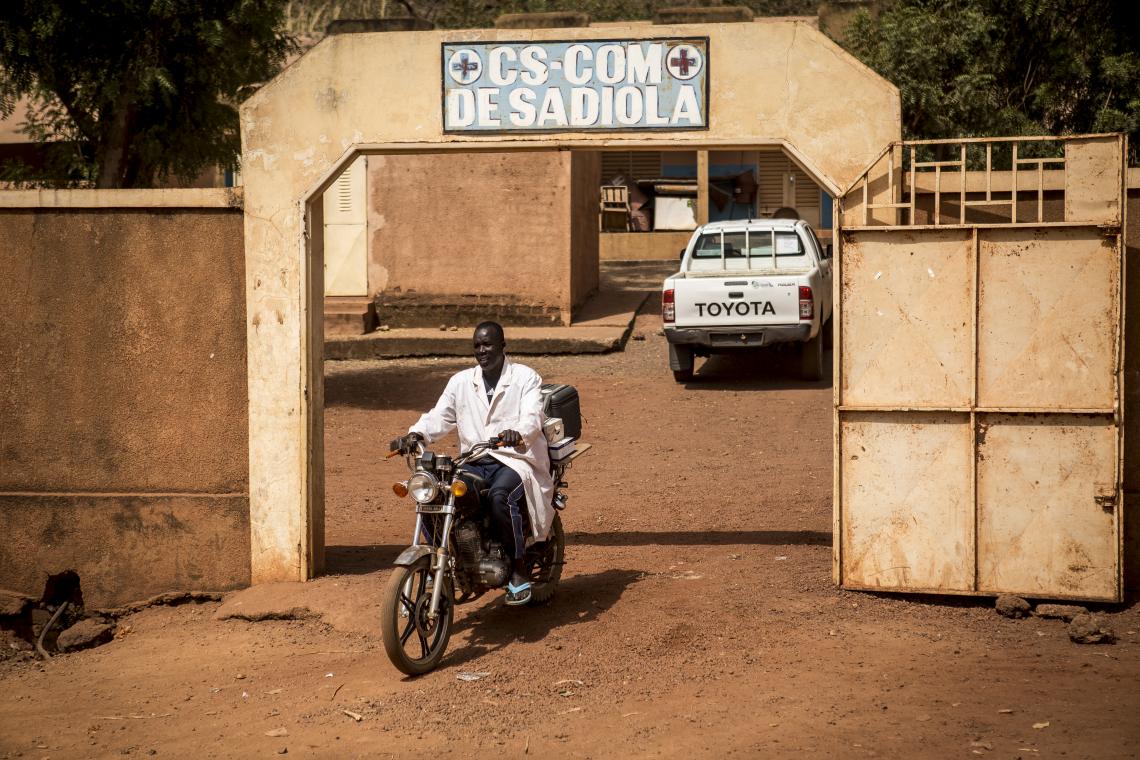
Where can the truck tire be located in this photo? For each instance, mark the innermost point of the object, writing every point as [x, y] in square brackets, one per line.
[681, 362]
[811, 358]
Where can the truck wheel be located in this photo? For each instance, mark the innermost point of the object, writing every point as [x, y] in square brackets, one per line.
[681, 362]
[811, 358]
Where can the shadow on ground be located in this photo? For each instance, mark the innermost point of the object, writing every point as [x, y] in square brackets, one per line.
[764, 369]
[704, 538]
[361, 560]
[580, 599]
[389, 385]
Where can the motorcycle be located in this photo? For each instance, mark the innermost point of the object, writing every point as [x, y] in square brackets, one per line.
[455, 557]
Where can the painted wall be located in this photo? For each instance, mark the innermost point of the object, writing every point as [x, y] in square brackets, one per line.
[772, 83]
[638, 246]
[492, 226]
[123, 393]
[585, 179]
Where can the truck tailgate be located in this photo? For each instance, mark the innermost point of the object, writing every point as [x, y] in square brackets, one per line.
[730, 301]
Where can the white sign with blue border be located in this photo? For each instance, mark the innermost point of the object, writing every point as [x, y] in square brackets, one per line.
[580, 85]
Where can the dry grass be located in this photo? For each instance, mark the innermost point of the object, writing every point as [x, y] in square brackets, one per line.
[310, 18]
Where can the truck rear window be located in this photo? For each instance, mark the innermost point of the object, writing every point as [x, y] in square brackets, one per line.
[750, 243]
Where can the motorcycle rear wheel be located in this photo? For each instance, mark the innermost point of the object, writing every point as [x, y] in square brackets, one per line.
[545, 566]
[404, 624]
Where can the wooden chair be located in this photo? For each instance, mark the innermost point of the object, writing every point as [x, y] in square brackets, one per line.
[615, 208]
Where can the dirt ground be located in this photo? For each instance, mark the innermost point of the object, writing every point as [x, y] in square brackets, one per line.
[696, 618]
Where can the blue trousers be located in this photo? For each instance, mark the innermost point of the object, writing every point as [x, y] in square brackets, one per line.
[507, 502]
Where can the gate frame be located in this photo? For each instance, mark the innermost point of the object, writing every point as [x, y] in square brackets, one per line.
[869, 204]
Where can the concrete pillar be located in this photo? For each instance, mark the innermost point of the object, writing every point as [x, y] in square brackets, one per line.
[702, 187]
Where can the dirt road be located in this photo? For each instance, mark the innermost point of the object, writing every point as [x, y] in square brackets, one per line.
[697, 617]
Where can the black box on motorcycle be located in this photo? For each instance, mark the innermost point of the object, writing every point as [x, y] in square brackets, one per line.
[559, 400]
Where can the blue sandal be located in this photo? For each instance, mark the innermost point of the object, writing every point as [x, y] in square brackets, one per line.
[517, 595]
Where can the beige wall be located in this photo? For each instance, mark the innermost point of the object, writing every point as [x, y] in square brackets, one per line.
[634, 246]
[493, 225]
[123, 395]
[585, 179]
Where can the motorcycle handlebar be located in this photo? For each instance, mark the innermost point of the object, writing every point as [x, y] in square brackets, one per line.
[492, 443]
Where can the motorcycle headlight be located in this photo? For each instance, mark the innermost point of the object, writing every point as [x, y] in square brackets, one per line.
[423, 487]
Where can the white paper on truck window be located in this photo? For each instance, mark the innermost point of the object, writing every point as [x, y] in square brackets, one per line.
[787, 244]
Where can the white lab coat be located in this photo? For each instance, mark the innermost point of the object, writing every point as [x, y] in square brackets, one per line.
[516, 405]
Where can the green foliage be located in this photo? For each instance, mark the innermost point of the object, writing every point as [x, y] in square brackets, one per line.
[311, 17]
[130, 93]
[1008, 67]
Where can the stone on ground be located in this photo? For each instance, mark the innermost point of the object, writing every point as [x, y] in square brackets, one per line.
[88, 632]
[1091, 629]
[12, 603]
[1064, 612]
[10, 642]
[1011, 606]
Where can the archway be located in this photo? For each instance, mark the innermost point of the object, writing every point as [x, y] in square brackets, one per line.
[777, 83]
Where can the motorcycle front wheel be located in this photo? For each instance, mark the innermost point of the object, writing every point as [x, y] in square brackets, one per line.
[414, 643]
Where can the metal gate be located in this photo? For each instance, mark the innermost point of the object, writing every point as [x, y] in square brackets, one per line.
[978, 369]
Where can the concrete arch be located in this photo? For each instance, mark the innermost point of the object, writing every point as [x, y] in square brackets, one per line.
[772, 82]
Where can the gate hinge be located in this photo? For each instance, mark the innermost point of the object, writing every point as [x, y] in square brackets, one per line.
[1105, 496]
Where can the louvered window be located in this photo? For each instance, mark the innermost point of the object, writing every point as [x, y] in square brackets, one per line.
[344, 200]
[775, 167]
[633, 165]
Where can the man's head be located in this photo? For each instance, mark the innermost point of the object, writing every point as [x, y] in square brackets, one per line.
[489, 343]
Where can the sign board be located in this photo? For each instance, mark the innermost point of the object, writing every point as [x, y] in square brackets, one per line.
[574, 86]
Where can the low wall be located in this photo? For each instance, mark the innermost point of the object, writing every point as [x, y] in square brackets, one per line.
[642, 246]
[123, 398]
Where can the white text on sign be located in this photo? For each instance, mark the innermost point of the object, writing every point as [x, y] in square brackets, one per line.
[584, 85]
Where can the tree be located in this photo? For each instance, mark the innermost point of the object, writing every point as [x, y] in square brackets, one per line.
[1008, 67]
[128, 93]
[310, 17]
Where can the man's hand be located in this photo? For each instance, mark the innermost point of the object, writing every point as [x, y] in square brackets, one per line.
[405, 443]
[512, 438]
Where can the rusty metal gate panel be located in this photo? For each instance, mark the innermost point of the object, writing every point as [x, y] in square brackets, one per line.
[909, 501]
[1042, 528]
[908, 302]
[978, 369]
[1047, 313]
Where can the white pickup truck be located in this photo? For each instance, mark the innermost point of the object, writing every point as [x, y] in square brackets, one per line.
[749, 284]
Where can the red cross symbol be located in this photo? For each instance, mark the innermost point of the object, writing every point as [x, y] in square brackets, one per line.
[465, 66]
[683, 61]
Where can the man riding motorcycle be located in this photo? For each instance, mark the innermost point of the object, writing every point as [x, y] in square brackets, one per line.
[499, 397]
